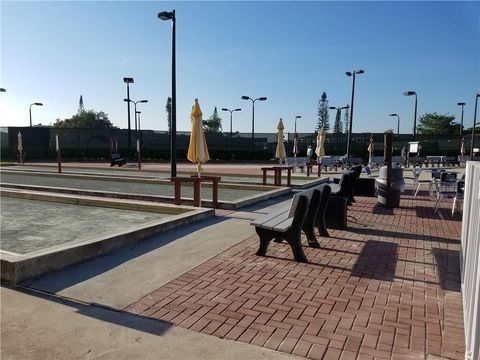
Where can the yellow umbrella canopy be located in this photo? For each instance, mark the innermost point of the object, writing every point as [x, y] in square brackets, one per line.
[280, 152]
[320, 150]
[197, 148]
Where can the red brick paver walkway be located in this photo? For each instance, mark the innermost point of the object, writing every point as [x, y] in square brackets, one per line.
[388, 288]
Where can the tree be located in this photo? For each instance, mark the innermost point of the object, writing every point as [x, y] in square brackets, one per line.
[168, 109]
[86, 119]
[346, 119]
[435, 124]
[338, 126]
[214, 123]
[323, 113]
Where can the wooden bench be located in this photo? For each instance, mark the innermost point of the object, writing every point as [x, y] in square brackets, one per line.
[451, 161]
[300, 162]
[196, 188]
[117, 160]
[327, 161]
[434, 161]
[306, 211]
[277, 174]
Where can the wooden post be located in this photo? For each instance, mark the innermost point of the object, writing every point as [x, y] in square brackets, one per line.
[59, 155]
[196, 191]
[388, 162]
[289, 176]
[139, 156]
[178, 195]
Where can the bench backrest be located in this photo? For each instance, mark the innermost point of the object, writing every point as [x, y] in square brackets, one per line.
[327, 160]
[115, 156]
[293, 205]
[296, 161]
[377, 160]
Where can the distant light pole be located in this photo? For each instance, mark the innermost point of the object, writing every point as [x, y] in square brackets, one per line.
[30, 110]
[139, 131]
[170, 15]
[263, 98]
[398, 122]
[349, 136]
[411, 93]
[135, 104]
[231, 111]
[477, 95]
[295, 128]
[462, 104]
[128, 81]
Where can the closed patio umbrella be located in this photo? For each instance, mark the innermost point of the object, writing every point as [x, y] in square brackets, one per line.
[462, 146]
[20, 147]
[280, 152]
[295, 145]
[370, 149]
[197, 148]
[320, 149]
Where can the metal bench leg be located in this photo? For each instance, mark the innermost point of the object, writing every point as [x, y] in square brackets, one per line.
[265, 238]
[295, 242]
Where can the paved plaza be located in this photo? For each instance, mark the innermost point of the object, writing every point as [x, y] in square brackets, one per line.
[388, 287]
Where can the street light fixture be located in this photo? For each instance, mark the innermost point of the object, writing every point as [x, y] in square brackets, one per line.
[231, 111]
[135, 104]
[170, 15]
[263, 98]
[349, 136]
[477, 95]
[411, 93]
[30, 110]
[398, 122]
[128, 81]
[2, 90]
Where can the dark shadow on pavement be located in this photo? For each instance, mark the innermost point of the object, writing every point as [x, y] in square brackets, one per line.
[100, 312]
[448, 267]
[377, 260]
[442, 213]
[403, 235]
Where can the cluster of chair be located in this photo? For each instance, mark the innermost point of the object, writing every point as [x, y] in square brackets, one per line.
[444, 183]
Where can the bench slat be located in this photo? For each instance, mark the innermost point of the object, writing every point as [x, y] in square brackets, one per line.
[268, 217]
[278, 223]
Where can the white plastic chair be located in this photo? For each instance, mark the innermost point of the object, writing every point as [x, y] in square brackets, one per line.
[417, 182]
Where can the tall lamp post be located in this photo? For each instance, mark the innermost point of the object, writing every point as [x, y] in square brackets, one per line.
[349, 136]
[398, 122]
[411, 93]
[295, 136]
[462, 104]
[170, 15]
[128, 81]
[477, 95]
[231, 111]
[135, 105]
[30, 110]
[263, 98]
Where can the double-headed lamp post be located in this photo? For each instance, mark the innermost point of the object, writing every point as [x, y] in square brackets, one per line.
[231, 111]
[170, 15]
[398, 122]
[411, 93]
[477, 95]
[349, 136]
[128, 81]
[263, 98]
[135, 104]
[30, 110]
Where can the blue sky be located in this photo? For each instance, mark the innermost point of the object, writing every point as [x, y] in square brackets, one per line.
[290, 52]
